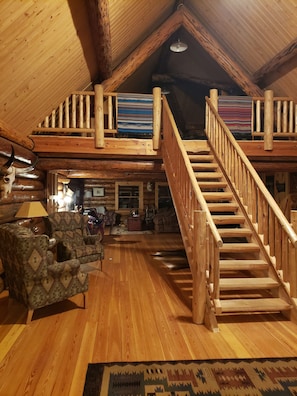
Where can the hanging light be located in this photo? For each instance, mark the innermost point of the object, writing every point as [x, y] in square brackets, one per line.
[178, 46]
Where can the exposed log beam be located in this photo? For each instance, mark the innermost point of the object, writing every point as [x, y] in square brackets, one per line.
[115, 175]
[83, 147]
[11, 134]
[99, 20]
[143, 52]
[281, 63]
[213, 48]
[173, 77]
[100, 165]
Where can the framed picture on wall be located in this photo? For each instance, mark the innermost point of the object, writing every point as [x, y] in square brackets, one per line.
[98, 192]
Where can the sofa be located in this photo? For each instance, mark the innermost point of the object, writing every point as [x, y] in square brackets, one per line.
[74, 241]
[165, 220]
[33, 277]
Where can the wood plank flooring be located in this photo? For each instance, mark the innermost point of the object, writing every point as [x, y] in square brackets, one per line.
[138, 309]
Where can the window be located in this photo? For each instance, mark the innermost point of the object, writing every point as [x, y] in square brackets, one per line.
[128, 196]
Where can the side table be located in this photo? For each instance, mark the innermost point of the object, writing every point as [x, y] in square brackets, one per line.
[134, 223]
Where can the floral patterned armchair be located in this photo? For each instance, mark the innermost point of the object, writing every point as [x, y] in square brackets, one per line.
[32, 275]
[70, 229]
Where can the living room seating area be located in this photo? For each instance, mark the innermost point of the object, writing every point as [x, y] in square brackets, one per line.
[33, 277]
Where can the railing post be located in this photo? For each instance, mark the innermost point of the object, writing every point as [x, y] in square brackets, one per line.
[268, 120]
[213, 96]
[293, 258]
[99, 117]
[199, 268]
[157, 117]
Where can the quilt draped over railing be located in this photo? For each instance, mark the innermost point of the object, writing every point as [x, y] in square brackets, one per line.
[236, 112]
[135, 113]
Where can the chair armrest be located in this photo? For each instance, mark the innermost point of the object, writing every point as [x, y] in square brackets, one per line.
[71, 266]
[92, 239]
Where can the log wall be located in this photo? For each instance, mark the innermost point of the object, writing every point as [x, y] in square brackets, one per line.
[28, 186]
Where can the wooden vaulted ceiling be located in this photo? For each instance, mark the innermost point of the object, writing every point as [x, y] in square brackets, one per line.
[50, 48]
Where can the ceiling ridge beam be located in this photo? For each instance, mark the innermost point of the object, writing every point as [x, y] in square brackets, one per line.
[216, 51]
[143, 52]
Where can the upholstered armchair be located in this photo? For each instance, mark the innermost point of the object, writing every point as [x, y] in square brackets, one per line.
[70, 229]
[32, 275]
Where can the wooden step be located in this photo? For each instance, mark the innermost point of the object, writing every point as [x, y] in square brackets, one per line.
[253, 305]
[239, 232]
[208, 175]
[222, 207]
[212, 185]
[201, 158]
[227, 219]
[204, 166]
[243, 265]
[247, 283]
[217, 196]
[239, 247]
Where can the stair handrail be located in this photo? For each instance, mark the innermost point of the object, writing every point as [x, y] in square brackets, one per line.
[274, 229]
[197, 191]
[278, 212]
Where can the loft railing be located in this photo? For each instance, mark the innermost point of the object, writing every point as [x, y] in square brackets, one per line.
[283, 116]
[200, 235]
[269, 221]
[93, 114]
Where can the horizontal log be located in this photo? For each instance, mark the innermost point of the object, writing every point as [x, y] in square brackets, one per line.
[27, 185]
[23, 156]
[83, 147]
[107, 175]
[23, 196]
[103, 165]
[14, 136]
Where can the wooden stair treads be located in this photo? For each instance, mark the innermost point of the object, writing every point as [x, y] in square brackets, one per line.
[243, 265]
[245, 281]
[212, 185]
[253, 305]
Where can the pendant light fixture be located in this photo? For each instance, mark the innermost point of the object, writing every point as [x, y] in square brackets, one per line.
[178, 46]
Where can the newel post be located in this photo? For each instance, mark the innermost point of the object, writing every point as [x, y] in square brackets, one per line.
[157, 118]
[293, 258]
[199, 270]
[99, 116]
[268, 119]
[213, 95]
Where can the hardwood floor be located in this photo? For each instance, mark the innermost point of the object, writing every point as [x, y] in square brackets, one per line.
[138, 309]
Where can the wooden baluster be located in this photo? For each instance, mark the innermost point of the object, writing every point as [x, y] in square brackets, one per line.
[268, 120]
[67, 120]
[60, 122]
[73, 113]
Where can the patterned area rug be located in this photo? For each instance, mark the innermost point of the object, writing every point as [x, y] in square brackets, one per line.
[196, 377]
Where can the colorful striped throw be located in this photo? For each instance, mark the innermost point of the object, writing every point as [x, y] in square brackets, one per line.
[236, 112]
[135, 113]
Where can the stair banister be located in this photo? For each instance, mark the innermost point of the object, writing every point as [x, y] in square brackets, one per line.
[267, 218]
[198, 195]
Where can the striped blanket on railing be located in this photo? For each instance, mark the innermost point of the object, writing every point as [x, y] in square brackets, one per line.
[236, 111]
[135, 113]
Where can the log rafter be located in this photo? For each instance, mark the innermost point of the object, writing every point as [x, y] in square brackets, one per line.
[100, 27]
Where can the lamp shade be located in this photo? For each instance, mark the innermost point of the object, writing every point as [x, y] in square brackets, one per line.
[31, 209]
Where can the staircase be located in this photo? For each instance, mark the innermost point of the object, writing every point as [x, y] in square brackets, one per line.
[248, 281]
[241, 249]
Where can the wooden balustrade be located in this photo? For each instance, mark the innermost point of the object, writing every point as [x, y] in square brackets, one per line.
[94, 114]
[191, 210]
[266, 216]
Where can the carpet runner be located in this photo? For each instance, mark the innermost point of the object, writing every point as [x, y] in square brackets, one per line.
[198, 377]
